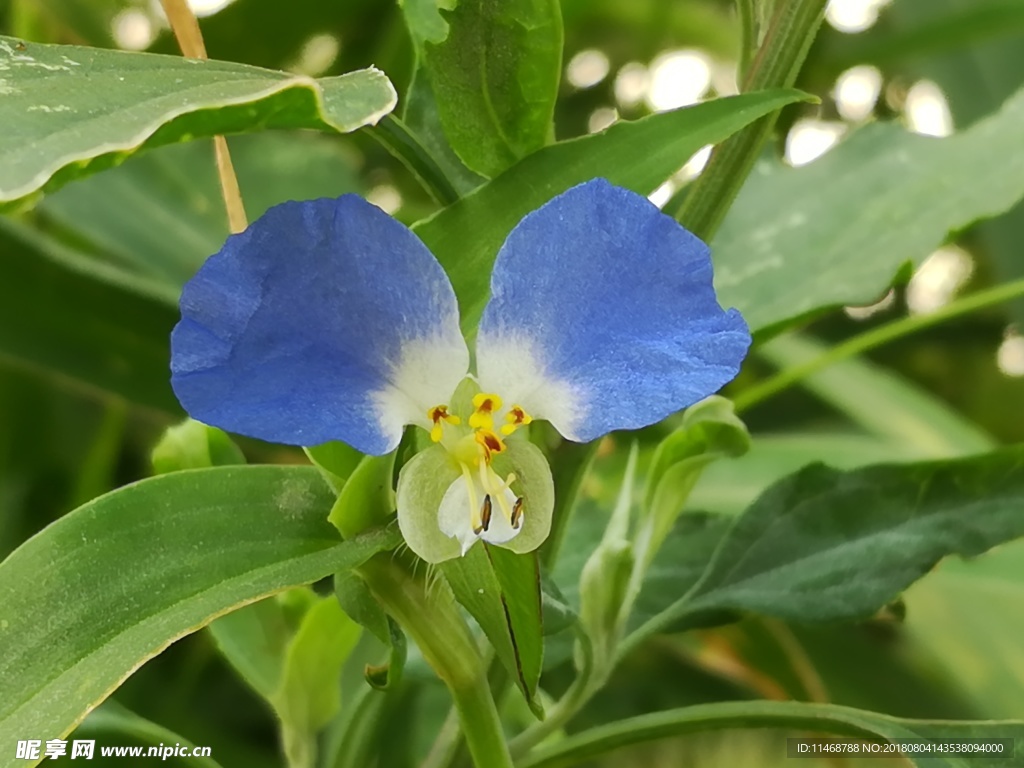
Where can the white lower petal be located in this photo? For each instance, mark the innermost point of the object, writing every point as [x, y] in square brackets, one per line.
[459, 512]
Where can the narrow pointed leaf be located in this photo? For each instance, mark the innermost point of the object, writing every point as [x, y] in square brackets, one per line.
[501, 590]
[826, 545]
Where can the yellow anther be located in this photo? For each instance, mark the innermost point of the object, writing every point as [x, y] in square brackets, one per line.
[516, 418]
[484, 406]
[489, 443]
[439, 414]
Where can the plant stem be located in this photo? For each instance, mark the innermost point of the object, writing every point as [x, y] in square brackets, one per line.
[584, 746]
[432, 619]
[776, 65]
[396, 137]
[578, 694]
[190, 40]
[748, 35]
[874, 338]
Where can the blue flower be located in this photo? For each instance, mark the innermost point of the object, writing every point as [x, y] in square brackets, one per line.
[329, 320]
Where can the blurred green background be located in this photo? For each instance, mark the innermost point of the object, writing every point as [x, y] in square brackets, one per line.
[935, 66]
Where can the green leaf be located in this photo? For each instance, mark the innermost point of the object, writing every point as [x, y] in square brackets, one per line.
[122, 577]
[798, 241]
[881, 402]
[336, 461]
[496, 76]
[680, 564]
[367, 499]
[112, 718]
[425, 20]
[798, 716]
[607, 576]
[501, 590]
[253, 639]
[309, 692]
[732, 486]
[358, 602]
[825, 545]
[418, 140]
[639, 155]
[194, 445]
[975, 80]
[142, 100]
[935, 28]
[161, 213]
[967, 616]
[62, 312]
[710, 431]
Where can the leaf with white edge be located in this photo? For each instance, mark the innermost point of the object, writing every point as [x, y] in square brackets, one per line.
[639, 155]
[825, 545]
[122, 577]
[802, 718]
[69, 111]
[836, 231]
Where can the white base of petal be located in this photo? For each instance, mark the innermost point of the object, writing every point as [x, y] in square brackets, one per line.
[508, 364]
[426, 376]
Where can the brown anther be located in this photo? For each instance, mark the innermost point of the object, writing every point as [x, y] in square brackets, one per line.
[485, 513]
[517, 513]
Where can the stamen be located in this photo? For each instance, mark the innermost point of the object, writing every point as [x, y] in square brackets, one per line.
[484, 406]
[516, 418]
[490, 443]
[437, 415]
[485, 515]
[474, 509]
[517, 513]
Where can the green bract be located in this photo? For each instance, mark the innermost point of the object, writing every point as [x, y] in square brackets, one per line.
[428, 475]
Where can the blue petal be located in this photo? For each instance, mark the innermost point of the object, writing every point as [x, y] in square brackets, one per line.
[603, 315]
[324, 320]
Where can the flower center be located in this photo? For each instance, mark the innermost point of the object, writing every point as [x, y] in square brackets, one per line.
[474, 452]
